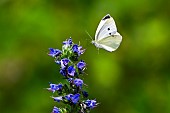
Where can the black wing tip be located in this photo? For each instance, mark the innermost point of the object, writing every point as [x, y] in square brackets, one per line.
[106, 17]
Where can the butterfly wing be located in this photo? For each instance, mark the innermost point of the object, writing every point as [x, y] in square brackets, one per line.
[106, 28]
[110, 43]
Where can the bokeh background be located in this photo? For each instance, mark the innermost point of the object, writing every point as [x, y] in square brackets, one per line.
[133, 79]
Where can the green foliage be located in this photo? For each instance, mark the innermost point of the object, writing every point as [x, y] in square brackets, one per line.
[135, 77]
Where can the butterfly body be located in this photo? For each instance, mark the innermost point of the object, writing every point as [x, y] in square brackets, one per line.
[106, 36]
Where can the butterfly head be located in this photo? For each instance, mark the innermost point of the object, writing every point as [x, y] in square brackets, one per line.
[96, 44]
[93, 42]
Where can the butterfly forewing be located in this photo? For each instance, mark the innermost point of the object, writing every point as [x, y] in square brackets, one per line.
[107, 27]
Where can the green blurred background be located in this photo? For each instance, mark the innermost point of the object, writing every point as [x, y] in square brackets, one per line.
[133, 79]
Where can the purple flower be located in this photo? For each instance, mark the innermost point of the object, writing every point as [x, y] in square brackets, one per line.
[58, 62]
[91, 103]
[54, 52]
[56, 110]
[81, 65]
[75, 48]
[71, 93]
[75, 98]
[78, 82]
[68, 97]
[64, 62]
[78, 49]
[67, 43]
[58, 99]
[59, 86]
[85, 94]
[70, 80]
[63, 72]
[54, 87]
[71, 70]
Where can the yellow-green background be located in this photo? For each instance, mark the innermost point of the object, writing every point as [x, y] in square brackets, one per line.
[133, 79]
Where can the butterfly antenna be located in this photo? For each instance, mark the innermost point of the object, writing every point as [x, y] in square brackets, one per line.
[98, 50]
[89, 35]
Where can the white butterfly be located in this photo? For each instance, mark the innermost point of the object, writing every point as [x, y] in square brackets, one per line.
[106, 36]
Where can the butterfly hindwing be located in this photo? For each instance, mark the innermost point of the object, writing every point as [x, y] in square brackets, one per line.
[111, 43]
